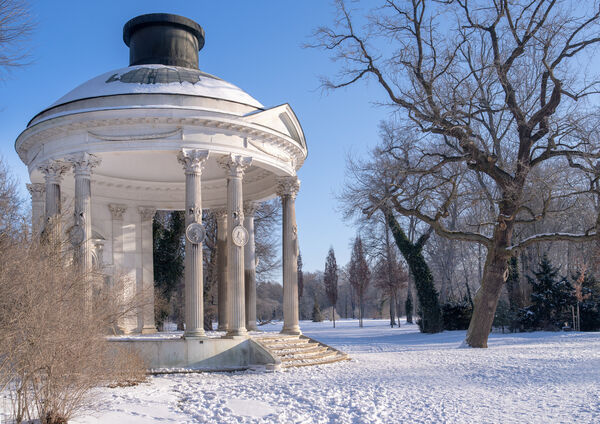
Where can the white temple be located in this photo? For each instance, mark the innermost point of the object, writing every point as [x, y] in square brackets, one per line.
[163, 135]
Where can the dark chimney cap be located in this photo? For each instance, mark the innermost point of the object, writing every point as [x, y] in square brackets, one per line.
[162, 38]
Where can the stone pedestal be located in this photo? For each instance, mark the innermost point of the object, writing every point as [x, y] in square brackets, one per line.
[193, 161]
[288, 189]
[237, 237]
[146, 216]
[222, 289]
[250, 267]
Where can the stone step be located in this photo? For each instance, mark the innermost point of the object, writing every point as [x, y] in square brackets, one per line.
[284, 344]
[307, 356]
[310, 348]
[338, 357]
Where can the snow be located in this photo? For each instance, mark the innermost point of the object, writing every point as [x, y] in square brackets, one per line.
[206, 87]
[396, 375]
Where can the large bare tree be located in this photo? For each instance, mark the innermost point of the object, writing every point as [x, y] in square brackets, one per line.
[15, 27]
[493, 102]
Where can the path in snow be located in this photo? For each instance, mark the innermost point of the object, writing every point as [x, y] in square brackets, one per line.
[396, 375]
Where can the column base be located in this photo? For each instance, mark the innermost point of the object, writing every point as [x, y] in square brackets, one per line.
[251, 327]
[222, 327]
[195, 334]
[149, 330]
[240, 333]
[294, 331]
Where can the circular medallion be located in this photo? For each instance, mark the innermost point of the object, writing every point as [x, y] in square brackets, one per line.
[195, 233]
[76, 235]
[239, 236]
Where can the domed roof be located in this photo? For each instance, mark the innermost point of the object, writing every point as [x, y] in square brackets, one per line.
[158, 79]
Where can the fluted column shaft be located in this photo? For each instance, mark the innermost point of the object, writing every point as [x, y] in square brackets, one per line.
[193, 161]
[38, 200]
[221, 215]
[123, 293]
[53, 171]
[287, 189]
[81, 233]
[237, 237]
[250, 268]
[146, 216]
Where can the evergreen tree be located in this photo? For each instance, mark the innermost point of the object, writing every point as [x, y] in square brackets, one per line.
[300, 277]
[588, 296]
[551, 299]
[169, 250]
[408, 306]
[359, 276]
[330, 279]
[316, 315]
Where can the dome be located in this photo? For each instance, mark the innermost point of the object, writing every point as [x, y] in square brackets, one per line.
[151, 79]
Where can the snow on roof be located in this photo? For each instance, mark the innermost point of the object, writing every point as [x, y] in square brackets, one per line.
[160, 79]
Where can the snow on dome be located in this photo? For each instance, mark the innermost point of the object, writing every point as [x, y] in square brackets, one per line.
[158, 79]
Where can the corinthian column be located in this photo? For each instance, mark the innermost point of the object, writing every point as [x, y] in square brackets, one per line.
[221, 215]
[81, 233]
[193, 161]
[37, 192]
[124, 292]
[53, 171]
[237, 238]
[287, 188]
[146, 214]
[250, 267]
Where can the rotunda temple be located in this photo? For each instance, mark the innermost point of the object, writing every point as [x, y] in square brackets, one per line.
[161, 134]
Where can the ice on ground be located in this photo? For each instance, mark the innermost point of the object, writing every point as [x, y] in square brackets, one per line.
[395, 376]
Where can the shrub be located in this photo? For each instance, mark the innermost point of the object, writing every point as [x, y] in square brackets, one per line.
[457, 315]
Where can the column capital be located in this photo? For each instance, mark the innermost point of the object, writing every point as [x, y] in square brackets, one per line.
[220, 213]
[250, 208]
[192, 160]
[146, 212]
[235, 164]
[117, 210]
[288, 186]
[37, 191]
[54, 170]
[83, 163]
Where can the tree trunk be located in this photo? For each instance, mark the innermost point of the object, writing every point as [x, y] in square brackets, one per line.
[430, 311]
[494, 273]
[392, 310]
[333, 314]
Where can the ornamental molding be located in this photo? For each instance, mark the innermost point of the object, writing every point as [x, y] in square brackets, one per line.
[288, 186]
[134, 137]
[117, 210]
[264, 139]
[220, 213]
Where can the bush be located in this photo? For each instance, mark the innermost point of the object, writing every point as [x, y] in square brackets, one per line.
[316, 314]
[457, 315]
[53, 349]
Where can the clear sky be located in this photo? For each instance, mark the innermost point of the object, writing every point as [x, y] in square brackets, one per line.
[256, 45]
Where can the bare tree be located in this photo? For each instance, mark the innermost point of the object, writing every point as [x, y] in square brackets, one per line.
[15, 27]
[487, 95]
[330, 280]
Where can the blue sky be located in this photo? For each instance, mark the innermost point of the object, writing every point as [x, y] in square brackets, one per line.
[256, 45]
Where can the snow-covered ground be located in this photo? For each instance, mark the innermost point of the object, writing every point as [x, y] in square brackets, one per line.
[395, 376]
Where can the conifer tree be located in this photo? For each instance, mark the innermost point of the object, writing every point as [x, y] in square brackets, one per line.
[316, 315]
[359, 276]
[330, 279]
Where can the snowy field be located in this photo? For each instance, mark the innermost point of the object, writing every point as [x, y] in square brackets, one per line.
[395, 376]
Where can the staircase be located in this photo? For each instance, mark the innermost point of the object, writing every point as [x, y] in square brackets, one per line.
[299, 351]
